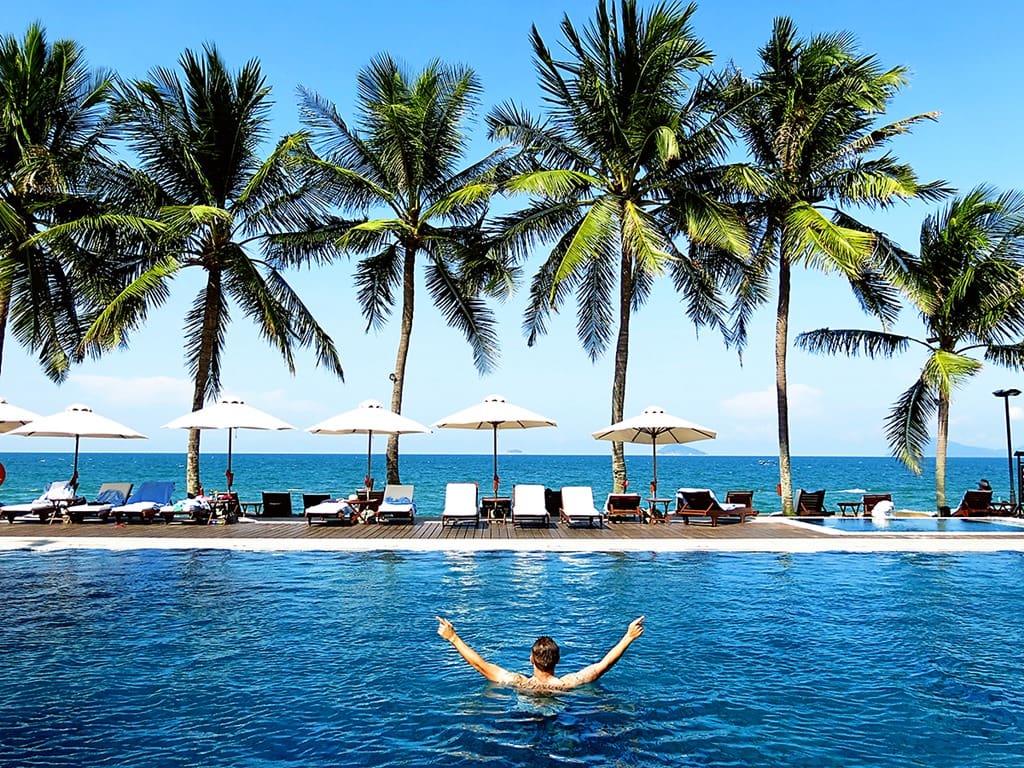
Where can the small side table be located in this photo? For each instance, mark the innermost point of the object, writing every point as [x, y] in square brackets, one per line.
[853, 507]
[255, 506]
[495, 508]
[657, 515]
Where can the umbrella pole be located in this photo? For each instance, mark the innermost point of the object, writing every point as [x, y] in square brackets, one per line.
[497, 482]
[368, 481]
[228, 474]
[654, 465]
[74, 469]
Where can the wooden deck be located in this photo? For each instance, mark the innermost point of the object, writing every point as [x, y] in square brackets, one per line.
[424, 530]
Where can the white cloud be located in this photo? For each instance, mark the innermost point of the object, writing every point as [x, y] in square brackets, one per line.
[759, 405]
[139, 390]
[1016, 413]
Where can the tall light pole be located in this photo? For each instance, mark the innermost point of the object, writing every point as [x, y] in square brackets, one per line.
[1006, 394]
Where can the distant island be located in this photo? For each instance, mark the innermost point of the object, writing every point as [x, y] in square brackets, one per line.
[680, 450]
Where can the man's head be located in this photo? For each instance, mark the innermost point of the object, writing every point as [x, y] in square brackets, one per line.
[545, 654]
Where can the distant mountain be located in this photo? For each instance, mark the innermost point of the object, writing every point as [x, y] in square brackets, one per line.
[680, 450]
[959, 450]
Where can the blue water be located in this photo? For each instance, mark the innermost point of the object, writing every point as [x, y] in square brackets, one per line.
[915, 525]
[845, 479]
[315, 659]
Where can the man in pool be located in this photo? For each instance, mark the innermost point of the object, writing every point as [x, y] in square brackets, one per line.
[543, 656]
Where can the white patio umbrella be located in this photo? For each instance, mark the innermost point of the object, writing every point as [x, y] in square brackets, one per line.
[656, 427]
[76, 421]
[495, 413]
[367, 418]
[12, 417]
[229, 415]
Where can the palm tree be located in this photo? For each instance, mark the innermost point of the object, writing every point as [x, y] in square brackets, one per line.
[200, 175]
[968, 289]
[52, 123]
[809, 123]
[403, 163]
[626, 158]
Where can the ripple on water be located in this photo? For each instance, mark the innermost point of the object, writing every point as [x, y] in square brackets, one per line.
[255, 659]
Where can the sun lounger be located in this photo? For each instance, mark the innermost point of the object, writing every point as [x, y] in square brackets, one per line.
[110, 495]
[397, 504]
[312, 499]
[578, 506]
[974, 503]
[277, 504]
[528, 505]
[619, 506]
[331, 510]
[461, 504]
[746, 498]
[871, 500]
[701, 503]
[145, 502]
[56, 497]
[810, 503]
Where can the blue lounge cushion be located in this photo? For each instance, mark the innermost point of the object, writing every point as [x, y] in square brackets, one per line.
[111, 496]
[398, 500]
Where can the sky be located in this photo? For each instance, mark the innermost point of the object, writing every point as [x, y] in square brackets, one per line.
[965, 62]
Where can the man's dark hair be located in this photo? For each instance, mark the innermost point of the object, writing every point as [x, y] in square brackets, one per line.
[546, 654]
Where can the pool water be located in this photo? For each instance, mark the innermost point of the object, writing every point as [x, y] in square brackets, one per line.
[314, 659]
[914, 525]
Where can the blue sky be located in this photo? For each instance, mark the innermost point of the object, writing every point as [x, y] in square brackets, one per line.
[964, 61]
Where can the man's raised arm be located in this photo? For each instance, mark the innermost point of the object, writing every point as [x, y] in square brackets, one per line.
[594, 671]
[492, 672]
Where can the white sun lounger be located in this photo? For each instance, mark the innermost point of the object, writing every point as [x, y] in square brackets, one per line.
[397, 504]
[528, 505]
[144, 503]
[460, 504]
[110, 495]
[57, 496]
[578, 506]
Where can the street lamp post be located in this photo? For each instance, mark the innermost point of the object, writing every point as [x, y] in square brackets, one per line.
[1006, 394]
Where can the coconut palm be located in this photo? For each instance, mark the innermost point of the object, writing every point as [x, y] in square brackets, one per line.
[968, 289]
[52, 110]
[808, 119]
[401, 169]
[200, 175]
[626, 158]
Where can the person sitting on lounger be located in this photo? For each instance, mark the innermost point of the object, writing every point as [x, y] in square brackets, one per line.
[543, 656]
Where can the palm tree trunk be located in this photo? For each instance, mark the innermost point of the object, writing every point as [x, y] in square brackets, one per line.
[397, 389]
[619, 374]
[781, 391]
[941, 438]
[204, 364]
[5, 307]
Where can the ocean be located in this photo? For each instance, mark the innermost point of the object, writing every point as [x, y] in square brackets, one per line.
[844, 478]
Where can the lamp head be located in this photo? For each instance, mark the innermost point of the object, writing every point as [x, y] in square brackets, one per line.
[1006, 392]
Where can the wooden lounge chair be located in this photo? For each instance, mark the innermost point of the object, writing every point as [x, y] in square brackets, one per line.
[810, 503]
[461, 504]
[109, 495]
[397, 505]
[145, 502]
[56, 497]
[578, 506]
[328, 510]
[871, 500]
[528, 505]
[701, 503]
[277, 504]
[619, 506]
[312, 499]
[746, 498]
[975, 503]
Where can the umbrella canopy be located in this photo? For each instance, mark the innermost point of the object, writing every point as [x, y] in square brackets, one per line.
[495, 413]
[77, 421]
[229, 415]
[12, 417]
[656, 427]
[366, 419]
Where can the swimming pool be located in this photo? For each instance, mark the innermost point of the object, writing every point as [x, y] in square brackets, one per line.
[216, 658]
[914, 525]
